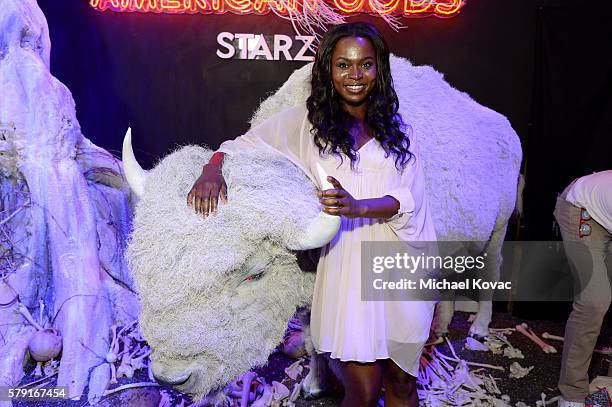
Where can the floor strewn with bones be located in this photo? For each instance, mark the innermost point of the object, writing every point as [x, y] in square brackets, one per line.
[519, 368]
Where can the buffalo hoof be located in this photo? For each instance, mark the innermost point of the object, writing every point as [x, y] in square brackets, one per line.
[312, 393]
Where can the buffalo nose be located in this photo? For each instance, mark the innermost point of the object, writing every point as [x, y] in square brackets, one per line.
[170, 382]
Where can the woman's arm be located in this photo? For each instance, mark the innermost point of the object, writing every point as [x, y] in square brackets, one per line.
[217, 159]
[384, 207]
[205, 193]
[338, 201]
[281, 133]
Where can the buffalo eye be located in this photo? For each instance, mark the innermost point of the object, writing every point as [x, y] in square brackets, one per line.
[253, 277]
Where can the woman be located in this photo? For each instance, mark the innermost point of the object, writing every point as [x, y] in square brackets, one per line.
[351, 127]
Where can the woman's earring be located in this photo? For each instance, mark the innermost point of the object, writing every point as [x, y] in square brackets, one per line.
[333, 91]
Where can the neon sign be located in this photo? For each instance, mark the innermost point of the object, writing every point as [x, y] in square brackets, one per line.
[406, 8]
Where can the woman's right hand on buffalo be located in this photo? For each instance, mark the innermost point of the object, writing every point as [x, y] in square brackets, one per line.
[205, 193]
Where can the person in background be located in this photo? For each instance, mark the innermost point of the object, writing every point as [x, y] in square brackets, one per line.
[584, 215]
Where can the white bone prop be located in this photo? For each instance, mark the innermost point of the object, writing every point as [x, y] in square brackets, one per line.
[135, 175]
[113, 377]
[473, 344]
[496, 341]
[295, 369]
[517, 371]
[130, 386]
[247, 379]
[295, 393]
[513, 353]
[41, 312]
[546, 335]
[279, 391]
[448, 385]
[505, 331]
[484, 365]
[125, 367]
[23, 310]
[50, 368]
[165, 400]
[545, 346]
[266, 397]
[550, 402]
[138, 360]
[524, 329]
[38, 370]
[111, 356]
[456, 358]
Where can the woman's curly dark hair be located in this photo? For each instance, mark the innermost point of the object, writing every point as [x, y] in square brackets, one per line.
[331, 125]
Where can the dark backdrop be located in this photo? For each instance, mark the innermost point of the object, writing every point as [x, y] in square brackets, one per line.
[160, 74]
[572, 108]
[570, 131]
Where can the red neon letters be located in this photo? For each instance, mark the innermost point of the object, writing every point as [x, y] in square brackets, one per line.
[408, 8]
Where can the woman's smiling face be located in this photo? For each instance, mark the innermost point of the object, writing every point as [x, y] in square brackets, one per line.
[353, 70]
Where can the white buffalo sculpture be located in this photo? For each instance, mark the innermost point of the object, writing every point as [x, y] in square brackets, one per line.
[217, 292]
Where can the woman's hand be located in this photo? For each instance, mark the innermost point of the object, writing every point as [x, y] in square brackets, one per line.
[338, 201]
[205, 193]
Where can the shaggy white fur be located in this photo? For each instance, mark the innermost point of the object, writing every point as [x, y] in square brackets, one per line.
[199, 313]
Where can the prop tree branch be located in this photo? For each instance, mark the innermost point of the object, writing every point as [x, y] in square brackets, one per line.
[64, 214]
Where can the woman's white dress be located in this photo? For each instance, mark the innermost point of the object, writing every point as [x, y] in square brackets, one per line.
[341, 323]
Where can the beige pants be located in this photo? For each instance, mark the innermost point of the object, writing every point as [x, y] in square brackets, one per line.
[590, 260]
